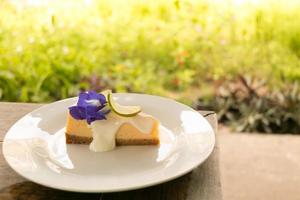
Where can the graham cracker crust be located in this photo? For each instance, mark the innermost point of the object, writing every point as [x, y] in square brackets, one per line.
[72, 139]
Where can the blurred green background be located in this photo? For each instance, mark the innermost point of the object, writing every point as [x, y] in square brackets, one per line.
[189, 50]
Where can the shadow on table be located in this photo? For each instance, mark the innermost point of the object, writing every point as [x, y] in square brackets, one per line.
[29, 190]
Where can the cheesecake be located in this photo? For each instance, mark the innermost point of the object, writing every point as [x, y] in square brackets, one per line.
[98, 121]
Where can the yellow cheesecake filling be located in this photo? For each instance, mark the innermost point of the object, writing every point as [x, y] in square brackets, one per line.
[106, 133]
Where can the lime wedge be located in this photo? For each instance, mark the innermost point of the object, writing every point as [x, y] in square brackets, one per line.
[124, 111]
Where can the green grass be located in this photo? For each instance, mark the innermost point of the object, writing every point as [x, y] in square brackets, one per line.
[161, 47]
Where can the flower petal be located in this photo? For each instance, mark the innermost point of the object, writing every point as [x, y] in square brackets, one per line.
[93, 95]
[77, 112]
[91, 110]
[100, 116]
[90, 119]
[83, 96]
[102, 99]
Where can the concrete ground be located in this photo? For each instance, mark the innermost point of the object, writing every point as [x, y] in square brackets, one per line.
[259, 166]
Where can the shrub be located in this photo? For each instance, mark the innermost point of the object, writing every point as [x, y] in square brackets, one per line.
[248, 106]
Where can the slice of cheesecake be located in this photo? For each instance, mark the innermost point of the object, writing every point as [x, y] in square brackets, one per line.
[98, 120]
[80, 132]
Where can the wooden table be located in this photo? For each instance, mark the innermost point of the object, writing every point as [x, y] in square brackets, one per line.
[202, 183]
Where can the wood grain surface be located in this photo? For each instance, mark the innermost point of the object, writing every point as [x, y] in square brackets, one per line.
[202, 183]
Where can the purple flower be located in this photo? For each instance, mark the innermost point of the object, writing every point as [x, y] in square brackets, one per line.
[90, 106]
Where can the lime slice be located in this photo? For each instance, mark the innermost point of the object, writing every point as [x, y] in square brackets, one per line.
[124, 111]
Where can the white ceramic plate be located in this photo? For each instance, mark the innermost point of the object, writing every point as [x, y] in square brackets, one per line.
[35, 148]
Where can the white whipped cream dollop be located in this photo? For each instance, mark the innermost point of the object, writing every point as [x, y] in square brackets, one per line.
[104, 131]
